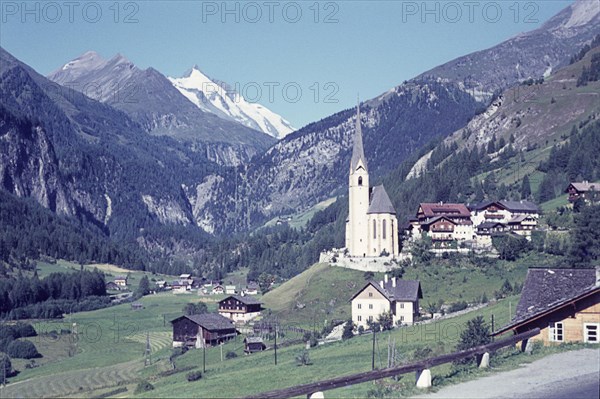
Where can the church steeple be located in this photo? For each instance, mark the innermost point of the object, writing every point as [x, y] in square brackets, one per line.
[358, 153]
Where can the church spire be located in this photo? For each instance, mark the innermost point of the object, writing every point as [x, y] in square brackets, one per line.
[358, 153]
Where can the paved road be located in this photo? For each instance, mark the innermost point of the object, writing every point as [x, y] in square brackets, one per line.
[567, 375]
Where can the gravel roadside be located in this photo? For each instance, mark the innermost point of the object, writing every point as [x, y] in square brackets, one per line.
[572, 375]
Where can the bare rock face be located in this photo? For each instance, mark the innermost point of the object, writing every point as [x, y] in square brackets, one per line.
[29, 168]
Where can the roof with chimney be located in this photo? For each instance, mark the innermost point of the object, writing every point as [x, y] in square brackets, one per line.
[380, 201]
[547, 290]
[358, 152]
[402, 290]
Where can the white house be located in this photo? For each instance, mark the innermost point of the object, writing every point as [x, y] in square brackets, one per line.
[401, 297]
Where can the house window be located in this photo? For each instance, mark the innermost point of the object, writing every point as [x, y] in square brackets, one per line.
[360, 180]
[370, 318]
[556, 332]
[370, 306]
[374, 229]
[359, 318]
[590, 333]
[360, 306]
[383, 229]
[370, 294]
[401, 318]
[401, 306]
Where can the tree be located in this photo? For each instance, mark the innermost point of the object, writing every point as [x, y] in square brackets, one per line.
[5, 366]
[195, 308]
[22, 350]
[347, 333]
[585, 247]
[525, 188]
[476, 333]
[386, 321]
[546, 189]
[264, 282]
[368, 276]
[144, 286]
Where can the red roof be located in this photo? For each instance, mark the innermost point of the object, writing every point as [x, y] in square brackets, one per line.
[444, 209]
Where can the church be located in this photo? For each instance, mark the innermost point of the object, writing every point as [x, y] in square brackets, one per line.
[372, 226]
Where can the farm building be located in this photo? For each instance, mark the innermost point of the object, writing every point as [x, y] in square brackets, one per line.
[121, 281]
[401, 297]
[589, 192]
[254, 344]
[240, 308]
[211, 328]
[563, 303]
[112, 286]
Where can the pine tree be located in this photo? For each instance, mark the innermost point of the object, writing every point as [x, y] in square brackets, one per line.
[525, 188]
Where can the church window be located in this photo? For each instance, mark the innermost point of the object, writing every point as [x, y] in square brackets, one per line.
[374, 229]
[383, 229]
[360, 180]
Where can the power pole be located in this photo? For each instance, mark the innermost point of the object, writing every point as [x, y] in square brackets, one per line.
[204, 358]
[492, 323]
[373, 351]
[275, 346]
[148, 352]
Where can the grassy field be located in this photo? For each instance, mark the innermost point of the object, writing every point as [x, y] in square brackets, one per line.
[300, 219]
[258, 373]
[111, 271]
[108, 351]
[322, 292]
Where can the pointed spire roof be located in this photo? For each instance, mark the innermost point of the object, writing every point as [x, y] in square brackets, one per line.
[358, 153]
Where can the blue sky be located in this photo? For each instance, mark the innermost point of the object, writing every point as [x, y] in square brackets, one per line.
[309, 59]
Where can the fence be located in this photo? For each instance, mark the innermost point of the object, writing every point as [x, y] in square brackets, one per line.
[339, 382]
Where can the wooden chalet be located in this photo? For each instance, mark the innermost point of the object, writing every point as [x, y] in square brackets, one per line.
[590, 192]
[443, 222]
[202, 330]
[459, 213]
[254, 344]
[563, 303]
[240, 308]
[440, 228]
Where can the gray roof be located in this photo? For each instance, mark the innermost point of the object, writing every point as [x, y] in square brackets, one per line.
[358, 153]
[253, 340]
[247, 300]
[585, 186]
[210, 321]
[519, 206]
[547, 289]
[404, 291]
[380, 201]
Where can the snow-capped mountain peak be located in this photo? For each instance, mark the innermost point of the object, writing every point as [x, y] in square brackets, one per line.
[217, 97]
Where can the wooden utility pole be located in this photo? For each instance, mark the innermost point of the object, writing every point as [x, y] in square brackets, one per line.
[492, 323]
[275, 346]
[373, 351]
[204, 358]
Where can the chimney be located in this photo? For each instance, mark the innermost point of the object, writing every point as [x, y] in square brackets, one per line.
[394, 282]
[385, 278]
[381, 284]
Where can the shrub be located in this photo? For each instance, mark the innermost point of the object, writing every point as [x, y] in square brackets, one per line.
[361, 329]
[422, 353]
[477, 333]
[303, 358]
[25, 330]
[457, 306]
[230, 355]
[8, 332]
[196, 375]
[143, 386]
[347, 333]
[22, 350]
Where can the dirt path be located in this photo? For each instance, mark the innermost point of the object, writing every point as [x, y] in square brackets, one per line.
[572, 375]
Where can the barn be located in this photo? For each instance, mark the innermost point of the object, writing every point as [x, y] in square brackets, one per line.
[211, 328]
